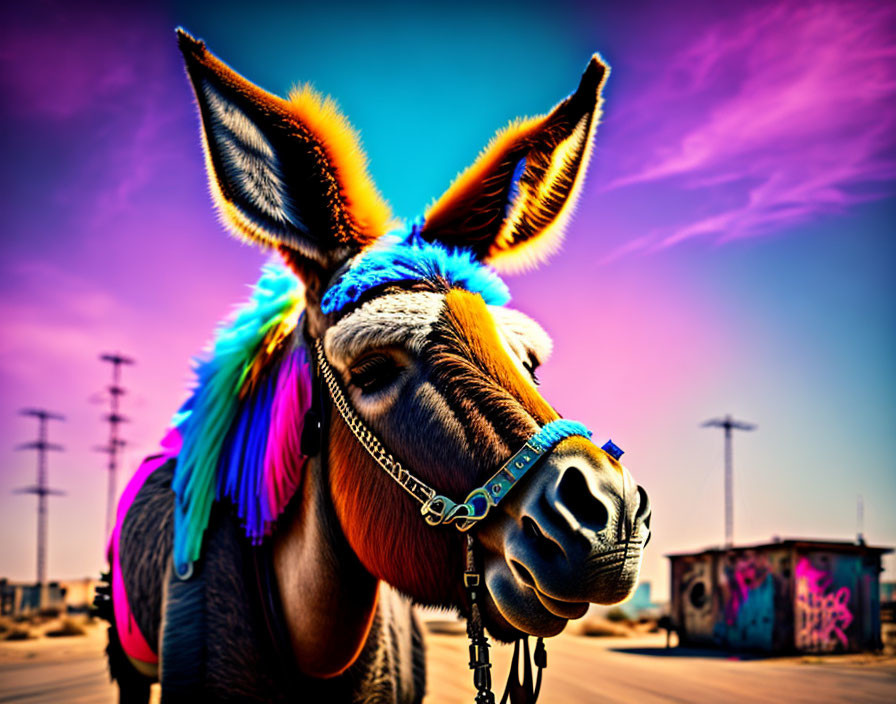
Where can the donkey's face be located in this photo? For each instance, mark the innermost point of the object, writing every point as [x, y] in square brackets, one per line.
[414, 325]
[448, 383]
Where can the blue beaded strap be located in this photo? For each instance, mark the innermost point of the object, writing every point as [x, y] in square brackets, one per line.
[440, 509]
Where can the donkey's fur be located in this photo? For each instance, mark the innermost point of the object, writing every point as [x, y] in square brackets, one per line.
[242, 661]
[146, 536]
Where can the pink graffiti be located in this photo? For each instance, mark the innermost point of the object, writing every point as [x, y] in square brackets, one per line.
[748, 573]
[822, 616]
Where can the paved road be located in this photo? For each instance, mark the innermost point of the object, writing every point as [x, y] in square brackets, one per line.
[82, 679]
[599, 670]
[606, 671]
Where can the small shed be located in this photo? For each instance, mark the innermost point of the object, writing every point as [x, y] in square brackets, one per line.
[787, 596]
[22, 599]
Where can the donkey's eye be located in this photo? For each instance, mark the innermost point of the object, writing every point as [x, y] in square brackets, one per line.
[374, 373]
[531, 365]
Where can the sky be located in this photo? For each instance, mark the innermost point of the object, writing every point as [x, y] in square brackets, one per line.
[733, 250]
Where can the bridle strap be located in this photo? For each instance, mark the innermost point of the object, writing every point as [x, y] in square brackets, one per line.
[522, 690]
[436, 508]
[441, 509]
[479, 660]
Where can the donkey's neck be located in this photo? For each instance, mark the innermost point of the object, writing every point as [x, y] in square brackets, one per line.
[329, 599]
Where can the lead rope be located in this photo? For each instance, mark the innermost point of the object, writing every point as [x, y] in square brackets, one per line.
[521, 690]
[518, 691]
[479, 662]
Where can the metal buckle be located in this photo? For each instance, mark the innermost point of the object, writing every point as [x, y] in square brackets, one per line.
[436, 508]
[476, 507]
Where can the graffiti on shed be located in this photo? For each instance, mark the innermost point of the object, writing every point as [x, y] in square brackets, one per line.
[747, 587]
[807, 596]
[822, 614]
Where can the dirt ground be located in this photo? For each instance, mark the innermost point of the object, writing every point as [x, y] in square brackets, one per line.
[580, 669]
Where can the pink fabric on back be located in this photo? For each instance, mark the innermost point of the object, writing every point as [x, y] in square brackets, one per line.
[132, 640]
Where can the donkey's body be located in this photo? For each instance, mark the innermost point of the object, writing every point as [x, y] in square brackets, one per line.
[274, 548]
[242, 659]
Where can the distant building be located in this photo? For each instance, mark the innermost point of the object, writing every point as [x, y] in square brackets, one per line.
[22, 599]
[792, 595]
[888, 602]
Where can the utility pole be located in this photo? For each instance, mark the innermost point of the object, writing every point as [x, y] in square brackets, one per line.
[860, 519]
[728, 424]
[41, 489]
[115, 419]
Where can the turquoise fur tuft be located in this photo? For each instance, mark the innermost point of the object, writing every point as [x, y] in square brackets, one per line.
[408, 257]
[557, 430]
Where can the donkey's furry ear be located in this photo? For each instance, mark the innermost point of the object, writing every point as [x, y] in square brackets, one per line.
[510, 206]
[289, 174]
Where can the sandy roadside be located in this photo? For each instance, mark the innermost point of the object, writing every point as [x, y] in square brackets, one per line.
[449, 646]
[58, 649]
[580, 669]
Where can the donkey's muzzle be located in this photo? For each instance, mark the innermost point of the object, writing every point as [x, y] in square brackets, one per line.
[581, 526]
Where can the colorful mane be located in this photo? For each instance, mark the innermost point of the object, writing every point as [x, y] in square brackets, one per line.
[241, 426]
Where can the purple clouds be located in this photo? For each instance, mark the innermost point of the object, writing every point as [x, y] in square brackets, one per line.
[92, 83]
[62, 61]
[770, 118]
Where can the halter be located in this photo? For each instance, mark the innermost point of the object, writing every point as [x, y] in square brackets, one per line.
[437, 510]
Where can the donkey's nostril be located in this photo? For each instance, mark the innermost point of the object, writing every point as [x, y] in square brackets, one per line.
[530, 528]
[575, 495]
[545, 547]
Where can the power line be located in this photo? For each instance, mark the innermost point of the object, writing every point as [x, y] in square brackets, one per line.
[114, 418]
[41, 489]
[728, 424]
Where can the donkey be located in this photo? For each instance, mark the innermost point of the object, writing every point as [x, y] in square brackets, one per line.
[311, 489]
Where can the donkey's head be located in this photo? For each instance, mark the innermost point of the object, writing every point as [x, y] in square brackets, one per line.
[410, 330]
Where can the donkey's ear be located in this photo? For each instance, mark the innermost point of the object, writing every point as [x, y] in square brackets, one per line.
[289, 174]
[510, 206]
